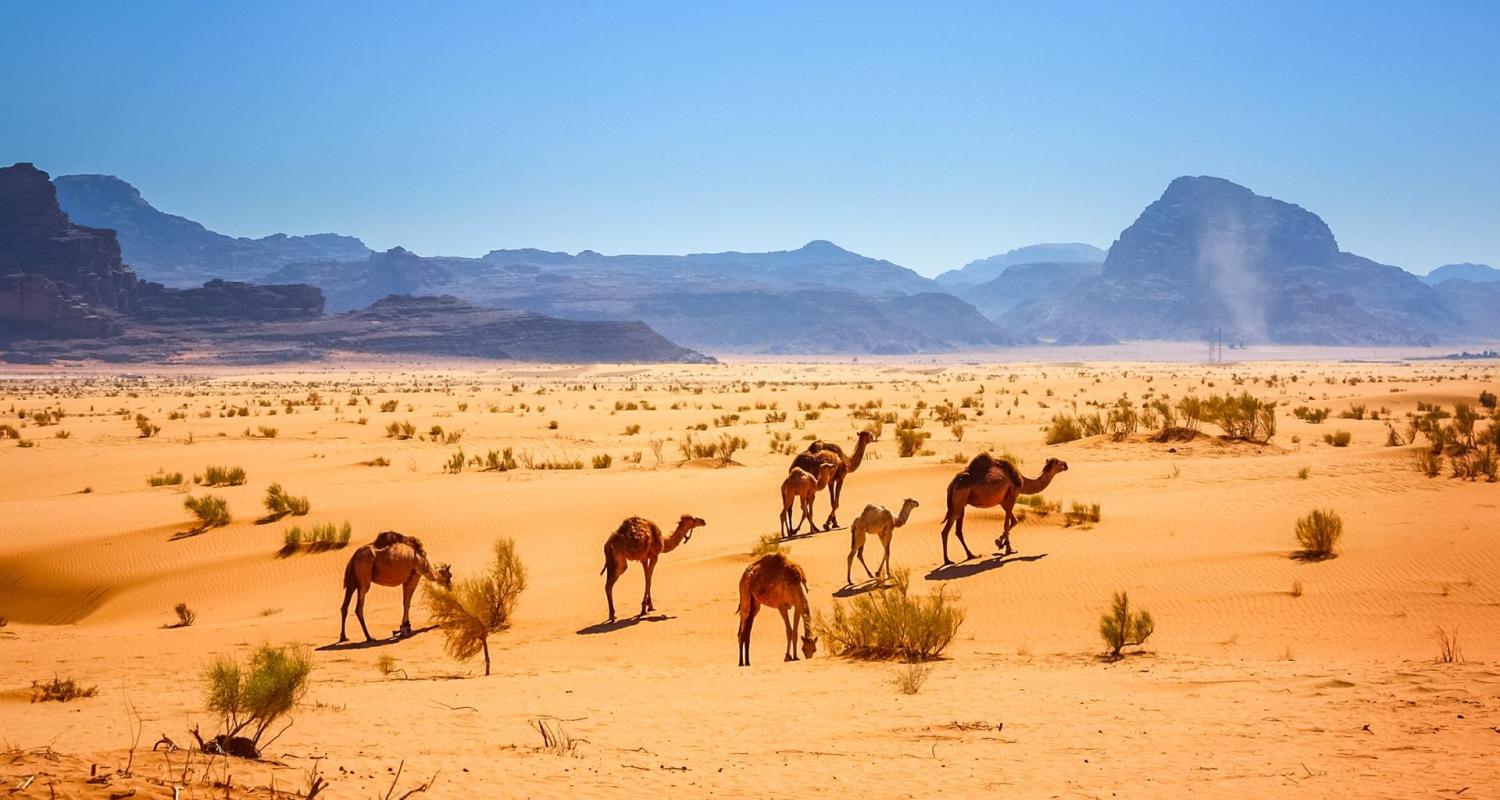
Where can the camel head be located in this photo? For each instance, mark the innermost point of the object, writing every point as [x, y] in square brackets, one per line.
[443, 574]
[809, 645]
[687, 524]
[908, 505]
[1054, 466]
[866, 436]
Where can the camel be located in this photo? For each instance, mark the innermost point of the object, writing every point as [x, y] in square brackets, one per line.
[639, 539]
[820, 452]
[874, 521]
[802, 485]
[393, 559]
[774, 581]
[986, 483]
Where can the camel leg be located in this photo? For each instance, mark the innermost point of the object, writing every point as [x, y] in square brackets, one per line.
[615, 570]
[646, 603]
[344, 615]
[807, 517]
[835, 488]
[746, 622]
[359, 612]
[863, 564]
[791, 637]
[407, 590]
[1003, 543]
[958, 530]
[885, 560]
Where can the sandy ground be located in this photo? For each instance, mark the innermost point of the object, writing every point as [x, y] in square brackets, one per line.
[1246, 688]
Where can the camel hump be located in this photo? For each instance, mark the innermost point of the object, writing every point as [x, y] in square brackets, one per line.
[984, 462]
[391, 538]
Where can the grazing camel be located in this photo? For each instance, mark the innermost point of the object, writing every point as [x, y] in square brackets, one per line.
[802, 485]
[639, 539]
[393, 559]
[774, 581]
[988, 482]
[874, 521]
[820, 452]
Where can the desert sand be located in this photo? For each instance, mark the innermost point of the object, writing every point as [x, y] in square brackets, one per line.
[1246, 689]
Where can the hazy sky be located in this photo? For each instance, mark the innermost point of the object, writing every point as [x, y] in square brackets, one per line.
[926, 133]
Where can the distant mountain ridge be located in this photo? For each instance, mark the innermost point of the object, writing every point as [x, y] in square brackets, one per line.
[987, 269]
[1474, 273]
[177, 251]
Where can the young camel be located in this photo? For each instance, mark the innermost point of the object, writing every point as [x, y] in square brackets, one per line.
[393, 559]
[639, 539]
[820, 452]
[774, 581]
[874, 521]
[802, 485]
[988, 482]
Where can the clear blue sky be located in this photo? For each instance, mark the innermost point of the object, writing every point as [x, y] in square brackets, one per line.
[926, 133]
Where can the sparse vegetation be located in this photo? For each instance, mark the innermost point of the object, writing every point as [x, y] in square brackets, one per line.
[1338, 438]
[474, 608]
[891, 624]
[909, 441]
[1448, 650]
[211, 511]
[1120, 628]
[323, 536]
[59, 690]
[249, 698]
[767, 544]
[279, 503]
[910, 677]
[164, 479]
[1319, 533]
[185, 615]
[222, 476]
[1081, 513]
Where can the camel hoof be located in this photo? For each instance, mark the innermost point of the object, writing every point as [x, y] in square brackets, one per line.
[343, 639]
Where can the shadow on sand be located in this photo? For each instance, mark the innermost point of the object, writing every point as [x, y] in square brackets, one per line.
[964, 569]
[356, 644]
[864, 586]
[628, 622]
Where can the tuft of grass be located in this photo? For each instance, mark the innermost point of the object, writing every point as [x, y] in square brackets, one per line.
[1081, 513]
[60, 690]
[266, 432]
[1063, 428]
[1319, 533]
[164, 479]
[891, 623]
[767, 544]
[185, 616]
[474, 608]
[910, 677]
[1296, 587]
[1338, 438]
[1303, 473]
[909, 441]
[279, 504]
[223, 476]
[379, 461]
[211, 511]
[1428, 463]
[1448, 650]
[401, 430]
[603, 460]
[1120, 628]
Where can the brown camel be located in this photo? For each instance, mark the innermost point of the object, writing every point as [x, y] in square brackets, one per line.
[774, 581]
[988, 482]
[874, 521]
[639, 539]
[802, 485]
[820, 452]
[393, 559]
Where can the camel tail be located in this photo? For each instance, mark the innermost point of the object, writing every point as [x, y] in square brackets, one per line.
[606, 559]
[350, 581]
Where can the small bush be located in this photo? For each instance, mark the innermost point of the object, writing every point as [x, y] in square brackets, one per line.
[1448, 650]
[499, 460]
[165, 479]
[400, 430]
[1303, 473]
[266, 432]
[767, 544]
[1081, 513]
[892, 624]
[279, 503]
[143, 424]
[909, 441]
[603, 461]
[455, 463]
[474, 608]
[1319, 534]
[1296, 588]
[185, 616]
[60, 691]
[1338, 438]
[1487, 400]
[1064, 428]
[223, 476]
[1428, 463]
[210, 510]
[379, 461]
[249, 698]
[910, 677]
[1120, 628]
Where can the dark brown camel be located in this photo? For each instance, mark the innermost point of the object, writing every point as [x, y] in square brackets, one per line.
[819, 453]
[988, 482]
[639, 539]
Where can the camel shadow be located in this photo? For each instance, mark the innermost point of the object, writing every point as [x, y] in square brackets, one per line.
[965, 569]
[355, 644]
[187, 534]
[863, 587]
[807, 534]
[620, 624]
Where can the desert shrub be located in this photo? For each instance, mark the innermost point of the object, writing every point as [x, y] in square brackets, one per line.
[1355, 411]
[388, 406]
[892, 624]
[266, 432]
[1448, 650]
[1038, 504]
[144, 426]
[1319, 534]
[9, 432]
[1190, 411]
[400, 430]
[1312, 415]
[223, 476]
[603, 461]
[767, 544]
[279, 503]
[185, 616]
[249, 698]
[1120, 628]
[1428, 463]
[729, 445]
[909, 441]
[1064, 428]
[379, 461]
[910, 677]
[1487, 400]
[165, 479]
[474, 608]
[291, 540]
[1243, 417]
[211, 511]
[60, 690]
[1303, 473]
[499, 460]
[1122, 420]
[1081, 513]
[322, 536]
[455, 463]
[631, 430]
[1338, 438]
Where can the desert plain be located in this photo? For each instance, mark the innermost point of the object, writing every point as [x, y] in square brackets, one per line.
[1266, 675]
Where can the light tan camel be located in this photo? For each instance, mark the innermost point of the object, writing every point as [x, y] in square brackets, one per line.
[774, 581]
[988, 482]
[639, 539]
[874, 521]
[393, 559]
[800, 485]
[820, 452]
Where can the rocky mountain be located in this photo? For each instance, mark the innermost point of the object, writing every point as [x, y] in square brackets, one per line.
[1474, 273]
[1021, 285]
[819, 298]
[988, 269]
[66, 294]
[1213, 255]
[177, 251]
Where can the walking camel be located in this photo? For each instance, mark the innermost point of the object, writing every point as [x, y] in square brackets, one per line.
[820, 452]
[988, 482]
[800, 485]
[775, 582]
[639, 539]
[393, 559]
[874, 521]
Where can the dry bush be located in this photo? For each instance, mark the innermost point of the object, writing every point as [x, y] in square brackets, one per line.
[603, 461]
[250, 697]
[60, 691]
[910, 677]
[767, 544]
[909, 441]
[1081, 513]
[1064, 428]
[1448, 650]
[1428, 463]
[474, 608]
[890, 623]
[455, 463]
[1120, 628]
[400, 430]
[223, 476]
[164, 479]
[1296, 587]
[1338, 438]
[280, 504]
[143, 424]
[1319, 533]
[211, 511]
[185, 616]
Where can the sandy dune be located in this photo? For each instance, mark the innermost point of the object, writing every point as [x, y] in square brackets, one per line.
[1244, 690]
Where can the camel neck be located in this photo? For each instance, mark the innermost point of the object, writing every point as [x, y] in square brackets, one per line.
[670, 543]
[859, 454]
[1036, 485]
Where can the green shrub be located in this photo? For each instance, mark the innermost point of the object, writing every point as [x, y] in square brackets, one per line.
[1338, 438]
[249, 698]
[1319, 533]
[767, 544]
[210, 510]
[223, 476]
[1081, 513]
[1120, 628]
[603, 460]
[499, 460]
[909, 441]
[1428, 463]
[890, 623]
[400, 430]
[279, 503]
[165, 479]
[1064, 428]
[474, 608]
